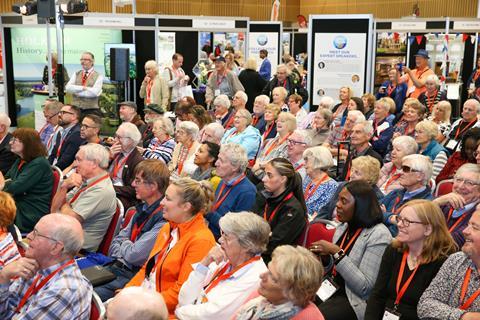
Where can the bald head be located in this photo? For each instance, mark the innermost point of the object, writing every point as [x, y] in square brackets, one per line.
[66, 229]
[137, 303]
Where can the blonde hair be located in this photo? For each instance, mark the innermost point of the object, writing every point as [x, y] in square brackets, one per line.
[370, 99]
[417, 106]
[273, 108]
[8, 209]
[251, 64]
[152, 64]
[447, 110]
[290, 120]
[246, 114]
[430, 128]
[440, 242]
[281, 91]
[300, 273]
[369, 166]
[198, 193]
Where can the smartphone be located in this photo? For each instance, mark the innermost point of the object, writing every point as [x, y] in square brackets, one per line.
[400, 66]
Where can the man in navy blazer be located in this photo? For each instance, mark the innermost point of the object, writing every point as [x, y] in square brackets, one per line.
[265, 70]
[68, 142]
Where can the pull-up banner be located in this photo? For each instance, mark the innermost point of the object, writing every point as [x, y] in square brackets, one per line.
[340, 55]
[265, 35]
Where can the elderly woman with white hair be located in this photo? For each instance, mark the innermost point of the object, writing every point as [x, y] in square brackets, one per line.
[223, 112]
[213, 132]
[162, 145]
[276, 147]
[287, 288]
[243, 133]
[391, 171]
[416, 174]
[229, 273]
[259, 105]
[432, 96]
[182, 163]
[426, 132]
[318, 187]
[154, 89]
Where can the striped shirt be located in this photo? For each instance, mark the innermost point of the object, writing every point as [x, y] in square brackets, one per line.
[8, 251]
[68, 295]
[162, 151]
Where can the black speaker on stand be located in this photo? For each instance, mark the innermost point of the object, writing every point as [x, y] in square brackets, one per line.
[119, 67]
[46, 8]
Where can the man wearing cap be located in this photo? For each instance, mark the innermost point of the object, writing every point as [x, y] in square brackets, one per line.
[152, 113]
[176, 79]
[222, 81]
[128, 113]
[86, 86]
[416, 78]
[265, 70]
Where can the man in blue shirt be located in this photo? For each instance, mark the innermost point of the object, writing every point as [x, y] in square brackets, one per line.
[265, 70]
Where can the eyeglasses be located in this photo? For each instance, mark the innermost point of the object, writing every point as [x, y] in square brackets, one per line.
[65, 112]
[35, 234]
[405, 221]
[468, 183]
[13, 140]
[138, 182]
[85, 59]
[84, 126]
[295, 142]
[408, 169]
[120, 137]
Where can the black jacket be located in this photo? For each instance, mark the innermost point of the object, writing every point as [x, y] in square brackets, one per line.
[288, 223]
[69, 148]
[291, 87]
[253, 84]
[7, 157]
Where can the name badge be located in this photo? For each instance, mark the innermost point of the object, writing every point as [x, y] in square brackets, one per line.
[327, 289]
[217, 92]
[391, 315]
[411, 89]
[451, 144]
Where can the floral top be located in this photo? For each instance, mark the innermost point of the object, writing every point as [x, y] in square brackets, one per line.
[320, 196]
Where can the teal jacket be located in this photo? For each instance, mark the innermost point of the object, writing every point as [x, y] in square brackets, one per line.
[31, 187]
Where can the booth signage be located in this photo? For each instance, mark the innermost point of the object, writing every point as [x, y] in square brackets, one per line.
[466, 25]
[409, 25]
[109, 21]
[29, 19]
[213, 24]
[264, 40]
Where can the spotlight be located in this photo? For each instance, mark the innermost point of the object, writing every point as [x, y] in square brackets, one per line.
[74, 6]
[26, 9]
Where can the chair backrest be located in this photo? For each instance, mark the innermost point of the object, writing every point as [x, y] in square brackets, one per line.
[444, 187]
[113, 229]
[128, 216]
[57, 181]
[317, 231]
[98, 309]
[432, 184]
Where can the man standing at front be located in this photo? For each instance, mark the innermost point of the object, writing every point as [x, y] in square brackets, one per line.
[46, 283]
[417, 77]
[176, 79]
[86, 86]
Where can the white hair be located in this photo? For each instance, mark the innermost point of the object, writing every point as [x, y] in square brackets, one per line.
[222, 100]
[306, 137]
[433, 78]
[326, 102]
[406, 143]
[264, 99]
[421, 164]
[367, 126]
[242, 95]
[475, 102]
[320, 156]
[131, 131]
[217, 128]
[97, 153]
[359, 116]
[236, 154]
[166, 124]
[152, 64]
[190, 128]
[5, 120]
[62, 230]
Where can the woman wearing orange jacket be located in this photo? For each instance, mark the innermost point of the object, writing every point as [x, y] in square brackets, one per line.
[181, 242]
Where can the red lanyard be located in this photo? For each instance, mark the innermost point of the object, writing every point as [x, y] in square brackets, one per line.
[401, 291]
[299, 166]
[390, 89]
[255, 120]
[455, 225]
[20, 165]
[310, 191]
[220, 78]
[43, 129]
[274, 212]
[431, 103]
[349, 244]
[86, 77]
[149, 91]
[221, 198]
[117, 164]
[221, 275]
[276, 143]
[393, 178]
[137, 229]
[60, 145]
[183, 157]
[394, 207]
[268, 130]
[349, 168]
[457, 133]
[81, 190]
[477, 74]
[33, 289]
[466, 304]
[229, 122]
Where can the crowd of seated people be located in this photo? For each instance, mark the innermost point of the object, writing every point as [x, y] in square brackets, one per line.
[250, 207]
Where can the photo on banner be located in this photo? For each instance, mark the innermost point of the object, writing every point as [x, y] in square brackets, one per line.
[29, 55]
[264, 40]
[391, 53]
[339, 61]
[166, 49]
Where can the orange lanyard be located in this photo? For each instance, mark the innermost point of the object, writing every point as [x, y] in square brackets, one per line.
[276, 143]
[255, 120]
[137, 229]
[183, 157]
[401, 291]
[274, 212]
[221, 275]
[349, 244]
[431, 103]
[81, 190]
[466, 304]
[117, 164]
[221, 198]
[149, 90]
[394, 207]
[393, 178]
[268, 130]
[310, 191]
[455, 225]
[457, 133]
[33, 289]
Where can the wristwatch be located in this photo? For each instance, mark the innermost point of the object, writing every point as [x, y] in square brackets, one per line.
[338, 256]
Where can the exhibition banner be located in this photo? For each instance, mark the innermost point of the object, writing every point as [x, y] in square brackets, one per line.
[166, 48]
[264, 40]
[339, 61]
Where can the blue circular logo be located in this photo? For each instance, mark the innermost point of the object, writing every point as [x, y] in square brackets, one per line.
[340, 42]
[262, 40]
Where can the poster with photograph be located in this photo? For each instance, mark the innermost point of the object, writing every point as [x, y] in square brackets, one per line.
[264, 40]
[339, 61]
[166, 48]
[228, 41]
